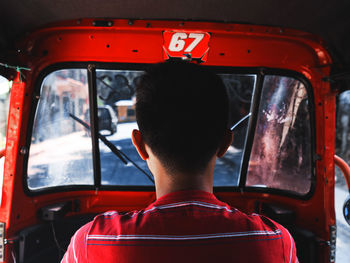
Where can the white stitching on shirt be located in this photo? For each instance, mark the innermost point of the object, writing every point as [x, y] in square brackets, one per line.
[75, 256]
[195, 203]
[111, 214]
[187, 237]
[291, 248]
[182, 204]
[86, 240]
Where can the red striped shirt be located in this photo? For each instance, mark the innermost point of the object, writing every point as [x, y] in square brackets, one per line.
[185, 226]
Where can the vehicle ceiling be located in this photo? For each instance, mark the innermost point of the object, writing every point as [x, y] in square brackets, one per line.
[328, 19]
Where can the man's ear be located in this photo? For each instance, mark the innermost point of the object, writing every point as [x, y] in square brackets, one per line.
[139, 144]
[227, 141]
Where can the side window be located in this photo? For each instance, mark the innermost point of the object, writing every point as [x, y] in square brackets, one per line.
[281, 151]
[4, 108]
[5, 86]
[61, 151]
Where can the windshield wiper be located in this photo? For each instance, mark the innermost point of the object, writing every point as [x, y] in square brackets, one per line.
[122, 156]
[238, 123]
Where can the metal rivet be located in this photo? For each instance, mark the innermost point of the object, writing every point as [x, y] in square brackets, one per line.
[23, 150]
[91, 67]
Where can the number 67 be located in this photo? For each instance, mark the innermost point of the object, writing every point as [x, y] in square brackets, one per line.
[177, 42]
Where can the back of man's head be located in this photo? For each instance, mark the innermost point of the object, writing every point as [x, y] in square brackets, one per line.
[182, 114]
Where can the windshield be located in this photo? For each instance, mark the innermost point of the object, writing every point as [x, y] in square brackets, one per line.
[116, 91]
[61, 143]
[61, 149]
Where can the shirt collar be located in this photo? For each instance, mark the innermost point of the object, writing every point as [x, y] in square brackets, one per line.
[186, 195]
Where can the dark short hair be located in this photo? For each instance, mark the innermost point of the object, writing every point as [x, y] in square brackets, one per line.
[182, 114]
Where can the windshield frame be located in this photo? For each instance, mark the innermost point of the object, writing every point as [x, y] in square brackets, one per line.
[260, 72]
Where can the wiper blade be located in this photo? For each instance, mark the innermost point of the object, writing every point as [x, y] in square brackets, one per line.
[122, 156]
[238, 123]
[110, 145]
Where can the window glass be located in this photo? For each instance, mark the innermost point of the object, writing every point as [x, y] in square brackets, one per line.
[116, 114]
[61, 149]
[4, 107]
[281, 152]
[5, 86]
[240, 90]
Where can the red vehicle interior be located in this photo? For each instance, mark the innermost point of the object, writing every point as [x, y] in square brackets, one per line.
[40, 37]
[28, 216]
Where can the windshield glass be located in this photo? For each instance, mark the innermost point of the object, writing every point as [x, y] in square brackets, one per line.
[116, 97]
[61, 144]
[61, 149]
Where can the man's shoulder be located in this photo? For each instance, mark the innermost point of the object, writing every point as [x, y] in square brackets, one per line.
[103, 222]
[221, 215]
[185, 222]
[182, 212]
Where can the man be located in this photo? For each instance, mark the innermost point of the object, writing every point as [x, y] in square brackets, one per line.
[182, 114]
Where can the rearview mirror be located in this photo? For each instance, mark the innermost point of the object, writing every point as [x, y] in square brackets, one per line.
[346, 209]
[121, 81]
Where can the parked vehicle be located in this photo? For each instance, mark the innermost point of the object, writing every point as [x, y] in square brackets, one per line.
[282, 85]
[107, 119]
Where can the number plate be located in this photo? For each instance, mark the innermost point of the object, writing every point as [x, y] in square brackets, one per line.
[186, 44]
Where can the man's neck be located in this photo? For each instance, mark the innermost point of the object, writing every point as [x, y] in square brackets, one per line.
[167, 185]
[167, 182]
[171, 181]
